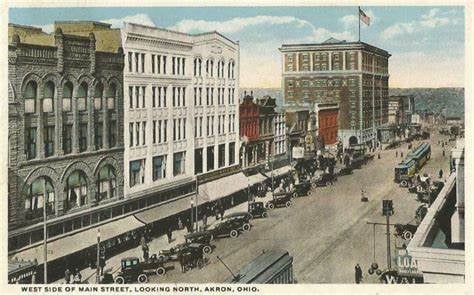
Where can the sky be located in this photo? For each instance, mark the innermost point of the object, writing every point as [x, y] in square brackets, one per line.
[426, 42]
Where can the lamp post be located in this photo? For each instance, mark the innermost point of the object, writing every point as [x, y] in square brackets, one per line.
[196, 200]
[97, 266]
[192, 215]
[45, 234]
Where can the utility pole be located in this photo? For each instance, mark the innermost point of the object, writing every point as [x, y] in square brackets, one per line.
[387, 210]
[196, 198]
[45, 233]
[97, 266]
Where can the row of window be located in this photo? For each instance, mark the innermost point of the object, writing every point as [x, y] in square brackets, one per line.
[209, 67]
[221, 157]
[139, 131]
[137, 168]
[47, 103]
[31, 134]
[210, 96]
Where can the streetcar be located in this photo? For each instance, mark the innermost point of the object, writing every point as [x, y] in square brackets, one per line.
[404, 171]
[271, 267]
[421, 155]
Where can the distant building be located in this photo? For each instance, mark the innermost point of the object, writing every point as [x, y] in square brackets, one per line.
[327, 115]
[438, 246]
[352, 74]
[249, 113]
[267, 114]
[280, 132]
[297, 120]
[400, 110]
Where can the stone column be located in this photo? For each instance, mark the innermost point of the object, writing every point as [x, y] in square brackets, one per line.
[75, 122]
[344, 60]
[40, 123]
[58, 121]
[330, 60]
[91, 118]
[105, 120]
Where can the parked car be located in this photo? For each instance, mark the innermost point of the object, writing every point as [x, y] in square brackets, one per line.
[280, 200]
[229, 227]
[257, 209]
[242, 218]
[345, 171]
[325, 179]
[428, 196]
[302, 189]
[174, 253]
[406, 231]
[203, 238]
[132, 270]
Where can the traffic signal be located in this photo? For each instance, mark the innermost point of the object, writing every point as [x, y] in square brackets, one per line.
[387, 207]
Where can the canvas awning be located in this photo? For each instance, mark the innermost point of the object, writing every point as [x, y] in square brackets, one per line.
[79, 241]
[165, 210]
[223, 187]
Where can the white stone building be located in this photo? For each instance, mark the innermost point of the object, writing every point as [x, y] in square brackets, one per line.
[180, 105]
[280, 133]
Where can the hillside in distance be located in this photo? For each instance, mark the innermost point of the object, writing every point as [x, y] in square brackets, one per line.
[447, 100]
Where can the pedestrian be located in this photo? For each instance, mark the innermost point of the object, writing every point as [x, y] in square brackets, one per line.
[358, 274]
[204, 220]
[169, 233]
[67, 276]
[444, 153]
[77, 277]
[378, 155]
[145, 253]
[222, 210]
[440, 173]
[401, 154]
[396, 154]
[180, 223]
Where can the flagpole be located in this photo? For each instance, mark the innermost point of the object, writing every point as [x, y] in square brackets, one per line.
[358, 17]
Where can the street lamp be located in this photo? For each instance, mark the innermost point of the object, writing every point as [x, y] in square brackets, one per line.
[192, 215]
[97, 266]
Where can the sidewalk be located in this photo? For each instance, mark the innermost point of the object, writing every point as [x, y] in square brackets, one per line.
[155, 245]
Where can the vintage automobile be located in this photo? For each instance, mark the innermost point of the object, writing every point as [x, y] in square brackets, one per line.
[302, 189]
[173, 253]
[345, 171]
[406, 231]
[325, 179]
[428, 196]
[203, 238]
[229, 227]
[421, 212]
[242, 218]
[280, 200]
[191, 257]
[132, 270]
[257, 209]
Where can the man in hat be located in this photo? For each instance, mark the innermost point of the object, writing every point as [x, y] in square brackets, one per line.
[358, 274]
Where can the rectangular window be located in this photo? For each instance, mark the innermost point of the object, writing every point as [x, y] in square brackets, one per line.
[48, 141]
[67, 139]
[137, 172]
[136, 61]
[210, 158]
[200, 96]
[231, 153]
[98, 135]
[137, 97]
[174, 129]
[165, 131]
[198, 161]
[183, 66]
[184, 128]
[195, 126]
[143, 133]
[153, 97]
[159, 167]
[200, 126]
[164, 64]
[173, 65]
[195, 96]
[143, 62]
[154, 131]
[153, 63]
[130, 62]
[183, 92]
[130, 129]
[158, 64]
[179, 163]
[221, 155]
[143, 96]
[130, 96]
[207, 96]
[174, 96]
[82, 137]
[112, 133]
[137, 133]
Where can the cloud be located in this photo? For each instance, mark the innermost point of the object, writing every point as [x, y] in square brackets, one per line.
[236, 24]
[141, 18]
[432, 19]
[350, 20]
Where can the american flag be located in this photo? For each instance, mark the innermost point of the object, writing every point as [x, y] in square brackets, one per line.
[363, 17]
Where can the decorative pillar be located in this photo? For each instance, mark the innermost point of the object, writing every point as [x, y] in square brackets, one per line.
[59, 42]
[40, 122]
[92, 52]
[105, 120]
[58, 120]
[75, 122]
[90, 118]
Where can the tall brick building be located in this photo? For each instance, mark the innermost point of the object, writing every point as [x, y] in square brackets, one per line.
[65, 133]
[353, 74]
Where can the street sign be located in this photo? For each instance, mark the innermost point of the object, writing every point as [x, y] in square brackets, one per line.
[406, 263]
[387, 207]
[298, 152]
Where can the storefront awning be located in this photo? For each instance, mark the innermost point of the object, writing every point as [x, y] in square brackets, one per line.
[165, 210]
[79, 241]
[223, 187]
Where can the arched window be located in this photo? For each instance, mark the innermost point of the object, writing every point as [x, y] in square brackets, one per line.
[67, 96]
[98, 91]
[111, 94]
[48, 98]
[76, 190]
[30, 97]
[106, 183]
[35, 198]
[82, 97]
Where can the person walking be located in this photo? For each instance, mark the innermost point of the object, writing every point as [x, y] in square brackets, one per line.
[169, 233]
[396, 154]
[358, 274]
[146, 253]
[204, 220]
[444, 153]
[440, 173]
[77, 276]
[401, 154]
[67, 276]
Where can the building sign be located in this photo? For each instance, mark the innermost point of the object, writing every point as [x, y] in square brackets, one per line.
[298, 152]
[406, 263]
[395, 277]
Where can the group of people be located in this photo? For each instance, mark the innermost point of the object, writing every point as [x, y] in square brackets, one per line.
[72, 277]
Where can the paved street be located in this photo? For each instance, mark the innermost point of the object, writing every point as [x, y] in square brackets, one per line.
[326, 232]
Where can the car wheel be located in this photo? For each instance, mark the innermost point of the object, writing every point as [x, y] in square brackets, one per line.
[160, 271]
[404, 183]
[271, 206]
[250, 216]
[142, 278]
[161, 257]
[246, 227]
[264, 214]
[407, 235]
[211, 238]
[288, 204]
[294, 195]
[234, 233]
[119, 280]
[207, 249]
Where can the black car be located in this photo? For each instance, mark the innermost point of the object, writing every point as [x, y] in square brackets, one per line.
[325, 179]
[175, 252]
[428, 197]
[241, 217]
[257, 209]
[228, 227]
[280, 200]
[406, 231]
[132, 270]
[345, 171]
[302, 188]
[202, 237]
